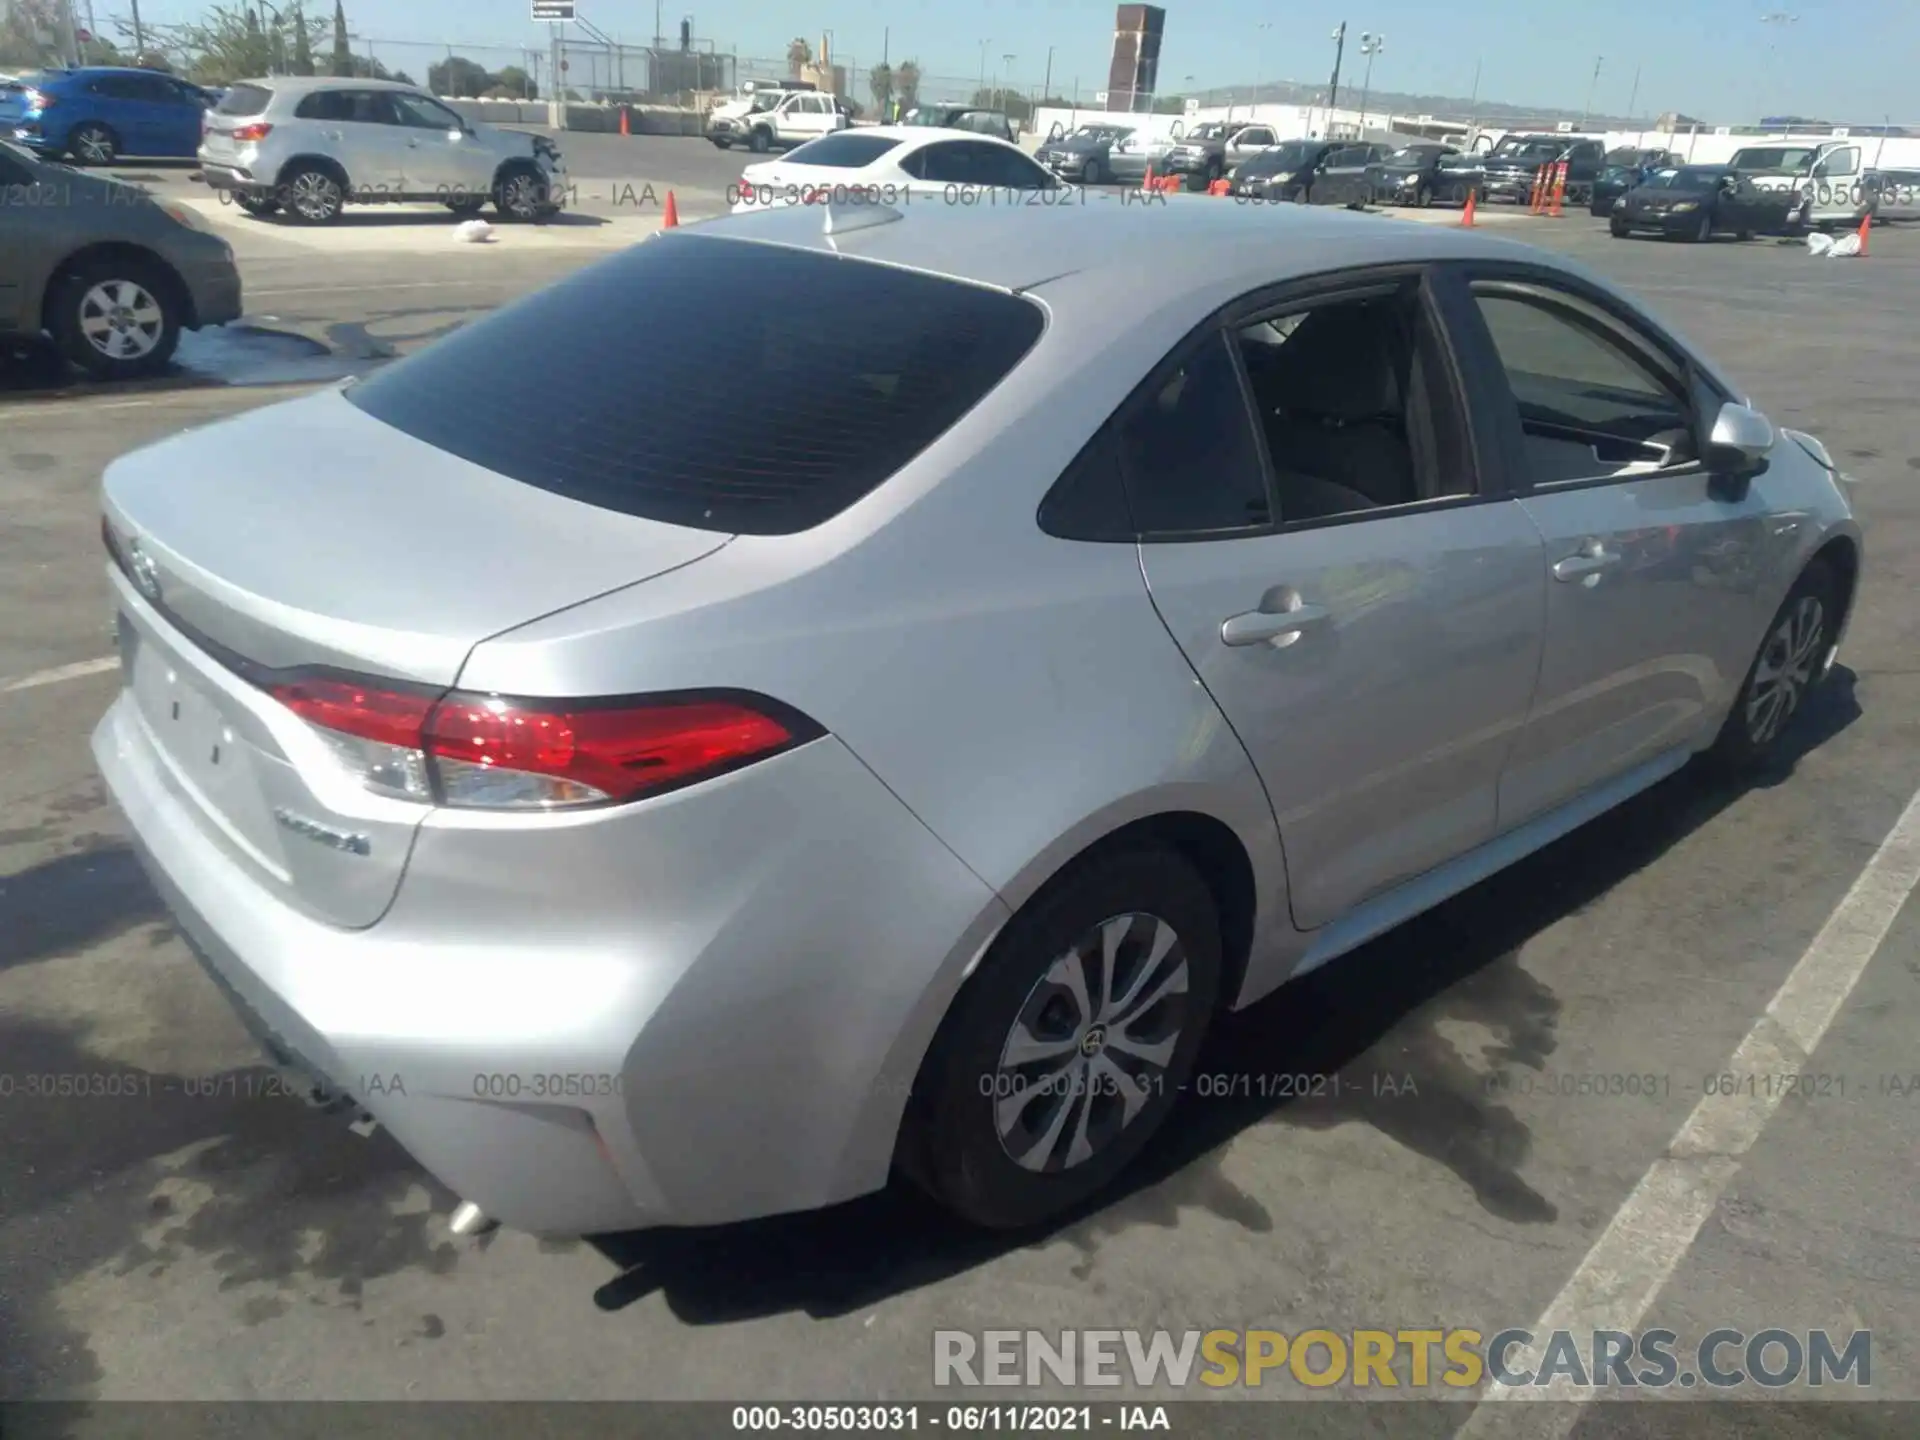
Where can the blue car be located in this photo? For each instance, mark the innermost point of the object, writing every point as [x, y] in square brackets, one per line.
[97, 114]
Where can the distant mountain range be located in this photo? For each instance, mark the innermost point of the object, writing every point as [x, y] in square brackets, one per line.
[1445, 107]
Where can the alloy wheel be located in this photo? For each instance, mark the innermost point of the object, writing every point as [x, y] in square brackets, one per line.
[121, 320]
[1789, 665]
[1092, 1043]
[520, 196]
[314, 196]
[94, 145]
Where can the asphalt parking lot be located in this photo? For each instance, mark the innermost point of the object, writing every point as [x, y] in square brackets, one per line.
[188, 1236]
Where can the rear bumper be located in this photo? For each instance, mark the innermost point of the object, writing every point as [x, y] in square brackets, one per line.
[703, 1008]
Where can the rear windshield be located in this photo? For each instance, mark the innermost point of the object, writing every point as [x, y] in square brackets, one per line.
[846, 151]
[244, 100]
[711, 383]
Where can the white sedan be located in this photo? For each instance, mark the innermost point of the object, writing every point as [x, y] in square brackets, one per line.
[894, 165]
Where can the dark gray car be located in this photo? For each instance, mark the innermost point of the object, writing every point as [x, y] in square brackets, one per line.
[1085, 155]
[111, 275]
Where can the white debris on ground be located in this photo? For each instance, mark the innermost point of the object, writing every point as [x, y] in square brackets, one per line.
[1829, 248]
[473, 232]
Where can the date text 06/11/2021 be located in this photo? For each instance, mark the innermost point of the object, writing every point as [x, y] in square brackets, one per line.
[956, 1419]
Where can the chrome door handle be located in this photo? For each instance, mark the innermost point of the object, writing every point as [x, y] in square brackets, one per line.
[1259, 626]
[1590, 559]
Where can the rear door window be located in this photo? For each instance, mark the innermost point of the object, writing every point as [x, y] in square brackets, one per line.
[245, 100]
[845, 150]
[767, 415]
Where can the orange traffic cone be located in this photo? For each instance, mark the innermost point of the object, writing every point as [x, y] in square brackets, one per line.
[1866, 224]
[1147, 184]
[672, 218]
[626, 125]
[1466, 215]
[1559, 190]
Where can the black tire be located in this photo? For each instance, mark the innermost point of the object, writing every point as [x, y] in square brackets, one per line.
[465, 205]
[260, 205]
[1703, 232]
[93, 144]
[520, 194]
[723, 144]
[759, 141]
[1743, 233]
[953, 1148]
[1618, 228]
[1748, 741]
[1093, 174]
[87, 297]
[1422, 197]
[313, 195]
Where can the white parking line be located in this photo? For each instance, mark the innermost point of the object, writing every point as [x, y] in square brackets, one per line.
[1632, 1261]
[78, 671]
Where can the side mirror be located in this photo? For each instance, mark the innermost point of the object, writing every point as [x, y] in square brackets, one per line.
[1738, 448]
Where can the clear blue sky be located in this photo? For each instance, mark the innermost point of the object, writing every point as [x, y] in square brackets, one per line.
[1844, 60]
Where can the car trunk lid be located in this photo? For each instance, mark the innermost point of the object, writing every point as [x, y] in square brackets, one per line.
[310, 536]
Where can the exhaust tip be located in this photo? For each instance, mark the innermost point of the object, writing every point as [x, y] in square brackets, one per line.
[470, 1219]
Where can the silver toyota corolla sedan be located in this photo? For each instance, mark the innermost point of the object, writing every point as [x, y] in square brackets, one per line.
[879, 721]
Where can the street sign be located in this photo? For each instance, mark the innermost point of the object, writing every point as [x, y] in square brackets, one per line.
[1193, 105]
[1099, 97]
[553, 9]
[85, 37]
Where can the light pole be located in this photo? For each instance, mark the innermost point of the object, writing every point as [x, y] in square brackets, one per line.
[983, 67]
[1259, 62]
[1000, 81]
[1333, 87]
[1597, 61]
[1370, 46]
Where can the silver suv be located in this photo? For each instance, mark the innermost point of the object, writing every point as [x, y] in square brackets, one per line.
[311, 146]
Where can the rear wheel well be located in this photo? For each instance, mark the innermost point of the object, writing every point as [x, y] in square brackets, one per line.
[177, 296]
[315, 162]
[1216, 853]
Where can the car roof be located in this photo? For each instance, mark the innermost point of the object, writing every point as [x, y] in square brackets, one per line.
[301, 84]
[913, 137]
[1190, 241]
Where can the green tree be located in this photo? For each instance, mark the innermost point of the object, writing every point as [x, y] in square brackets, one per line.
[302, 44]
[343, 58]
[457, 75]
[513, 83]
[33, 33]
[880, 83]
[1011, 103]
[799, 56]
[906, 84]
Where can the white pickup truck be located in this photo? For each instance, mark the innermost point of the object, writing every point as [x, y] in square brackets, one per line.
[778, 119]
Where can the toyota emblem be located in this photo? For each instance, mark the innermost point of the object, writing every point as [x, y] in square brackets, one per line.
[146, 574]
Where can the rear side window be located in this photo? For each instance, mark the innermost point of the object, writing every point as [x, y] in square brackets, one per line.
[845, 151]
[245, 100]
[711, 383]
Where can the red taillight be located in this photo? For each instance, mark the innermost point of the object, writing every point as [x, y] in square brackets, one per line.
[486, 752]
[385, 717]
[251, 132]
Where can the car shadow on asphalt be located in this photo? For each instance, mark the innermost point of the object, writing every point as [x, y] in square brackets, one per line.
[1376, 1020]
